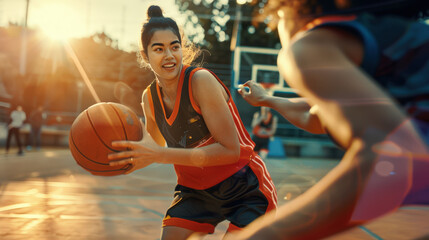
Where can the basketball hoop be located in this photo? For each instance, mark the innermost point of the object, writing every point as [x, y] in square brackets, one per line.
[267, 85]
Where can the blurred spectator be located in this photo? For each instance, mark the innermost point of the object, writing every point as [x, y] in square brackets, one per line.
[264, 126]
[36, 120]
[17, 118]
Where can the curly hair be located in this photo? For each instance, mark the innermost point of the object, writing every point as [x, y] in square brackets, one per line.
[412, 9]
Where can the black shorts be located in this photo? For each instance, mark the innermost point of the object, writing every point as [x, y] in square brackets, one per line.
[238, 199]
[260, 143]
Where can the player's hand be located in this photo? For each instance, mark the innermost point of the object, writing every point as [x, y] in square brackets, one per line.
[255, 94]
[139, 154]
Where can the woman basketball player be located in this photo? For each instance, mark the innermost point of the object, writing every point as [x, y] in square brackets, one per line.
[219, 175]
[264, 126]
[362, 67]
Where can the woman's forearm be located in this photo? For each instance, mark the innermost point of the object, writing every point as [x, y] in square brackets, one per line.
[211, 155]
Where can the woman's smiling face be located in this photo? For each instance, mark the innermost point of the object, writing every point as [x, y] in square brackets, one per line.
[165, 54]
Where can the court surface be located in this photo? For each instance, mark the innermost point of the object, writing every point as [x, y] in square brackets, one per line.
[46, 195]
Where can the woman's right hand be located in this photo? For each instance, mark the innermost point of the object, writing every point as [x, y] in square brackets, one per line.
[139, 154]
[256, 95]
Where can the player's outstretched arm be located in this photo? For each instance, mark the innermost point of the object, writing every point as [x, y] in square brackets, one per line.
[295, 110]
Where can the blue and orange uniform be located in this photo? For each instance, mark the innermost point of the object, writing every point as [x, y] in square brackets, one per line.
[205, 196]
[262, 140]
[396, 56]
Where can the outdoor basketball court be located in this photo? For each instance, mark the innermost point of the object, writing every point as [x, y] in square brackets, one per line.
[46, 195]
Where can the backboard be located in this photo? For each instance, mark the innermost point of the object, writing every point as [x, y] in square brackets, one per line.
[259, 64]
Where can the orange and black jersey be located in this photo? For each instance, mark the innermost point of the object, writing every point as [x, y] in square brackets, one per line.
[185, 128]
[266, 124]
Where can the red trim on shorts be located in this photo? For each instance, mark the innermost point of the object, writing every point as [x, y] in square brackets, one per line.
[188, 224]
[233, 228]
[266, 185]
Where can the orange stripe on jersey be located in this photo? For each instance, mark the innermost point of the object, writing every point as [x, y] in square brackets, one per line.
[244, 136]
[191, 96]
[170, 120]
[191, 176]
[149, 96]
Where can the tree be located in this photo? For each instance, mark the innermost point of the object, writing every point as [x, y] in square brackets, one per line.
[217, 18]
[52, 78]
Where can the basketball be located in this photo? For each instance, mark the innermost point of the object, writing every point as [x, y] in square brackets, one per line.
[93, 131]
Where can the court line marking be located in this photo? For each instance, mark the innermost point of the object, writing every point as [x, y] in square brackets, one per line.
[63, 203]
[145, 189]
[415, 208]
[80, 196]
[375, 236]
[75, 217]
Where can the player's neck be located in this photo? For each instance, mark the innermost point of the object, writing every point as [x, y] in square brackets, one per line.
[168, 92]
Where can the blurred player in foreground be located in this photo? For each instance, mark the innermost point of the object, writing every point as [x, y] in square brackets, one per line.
[362, 69]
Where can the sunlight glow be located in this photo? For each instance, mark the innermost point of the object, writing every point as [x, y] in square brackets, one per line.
[82, 71]
[58, 21]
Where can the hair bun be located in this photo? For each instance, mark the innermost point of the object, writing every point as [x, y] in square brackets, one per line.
[154, 11]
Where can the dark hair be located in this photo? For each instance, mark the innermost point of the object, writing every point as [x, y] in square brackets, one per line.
[412, 9]
[157, 21]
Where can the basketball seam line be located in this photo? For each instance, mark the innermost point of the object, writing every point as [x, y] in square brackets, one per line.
[71, 134]
[96, 133]
[122, 123]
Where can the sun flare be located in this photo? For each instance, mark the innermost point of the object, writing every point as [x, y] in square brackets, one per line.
[58, 21]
